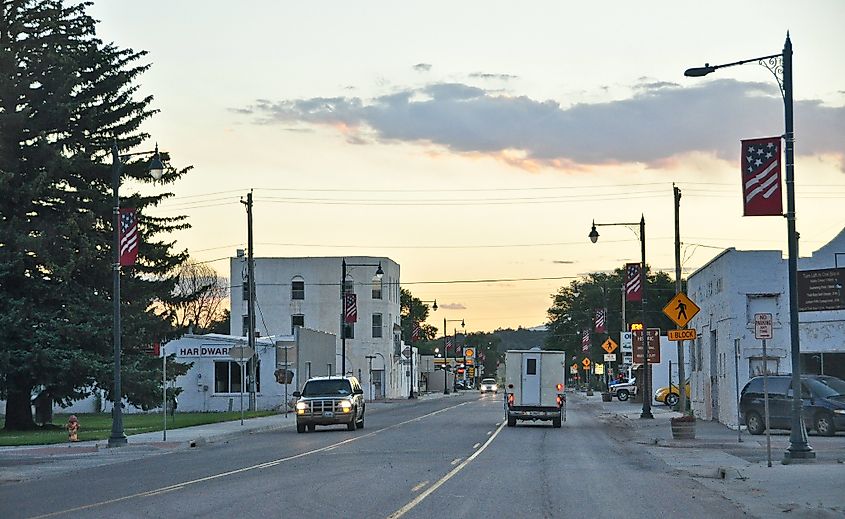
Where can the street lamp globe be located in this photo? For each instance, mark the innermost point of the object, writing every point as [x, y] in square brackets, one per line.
[594, 234]
[379, 272]
[156, 167]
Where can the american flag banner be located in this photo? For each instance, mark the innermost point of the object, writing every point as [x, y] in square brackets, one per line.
[128, 236]
[350, 308]
[585, 340]
[761, 165]
[416, 332]
[633, 282]
[601, 318]
[448, 343]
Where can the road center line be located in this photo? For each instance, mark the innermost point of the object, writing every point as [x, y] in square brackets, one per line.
[455, 461]
[476, 445]
[418, 487]
[268, 464]
[417, 500]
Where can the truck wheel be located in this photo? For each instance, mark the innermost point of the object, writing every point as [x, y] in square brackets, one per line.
[622, 395]
[511, 421]
[671, 399]
[556, 422]
[300, 427]
[351, 425]
[824, 424]
[755, 423]
[361, 423]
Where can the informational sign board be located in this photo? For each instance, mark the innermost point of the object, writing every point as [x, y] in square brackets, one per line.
[687, 334]
[598, 368]
[626, 341]
[573, 369]
[763, 326]
[609, 357]
[820, 290]
[653, 346]
[681, 309]
[241, 353]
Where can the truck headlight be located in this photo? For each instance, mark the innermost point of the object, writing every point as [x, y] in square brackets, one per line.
[345, 406]
[301, 406]
[839, 411]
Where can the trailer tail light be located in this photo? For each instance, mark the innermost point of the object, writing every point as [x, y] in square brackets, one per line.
[510, 399]
[559, 401]
[560, 387]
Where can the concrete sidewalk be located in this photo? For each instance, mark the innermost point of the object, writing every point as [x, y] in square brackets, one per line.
[739, 469]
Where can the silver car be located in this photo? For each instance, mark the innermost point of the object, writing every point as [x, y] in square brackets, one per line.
[488, 385]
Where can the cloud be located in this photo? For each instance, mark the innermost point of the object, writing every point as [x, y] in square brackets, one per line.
[563, 262]
[452, 306]
[660, 122]
[500, 77]
[422, 67]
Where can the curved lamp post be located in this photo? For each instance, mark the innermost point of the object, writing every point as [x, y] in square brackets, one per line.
[446, 353]
[780, 65]
[413, 325]
[344, 265]
[156, 170]
[594, 237]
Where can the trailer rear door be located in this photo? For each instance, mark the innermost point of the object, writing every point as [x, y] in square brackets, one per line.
[531, 378]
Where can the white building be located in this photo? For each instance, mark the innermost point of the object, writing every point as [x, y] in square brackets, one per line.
[293, 292]
[730, 289]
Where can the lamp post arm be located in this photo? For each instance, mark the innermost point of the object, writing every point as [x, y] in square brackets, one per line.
[743, 62]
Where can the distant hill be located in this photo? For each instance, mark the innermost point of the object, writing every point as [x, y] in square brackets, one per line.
[520, 339]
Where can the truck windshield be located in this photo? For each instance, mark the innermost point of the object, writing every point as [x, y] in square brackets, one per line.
[327, 388]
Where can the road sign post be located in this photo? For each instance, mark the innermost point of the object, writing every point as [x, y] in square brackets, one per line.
[763, 330]
[241, 354]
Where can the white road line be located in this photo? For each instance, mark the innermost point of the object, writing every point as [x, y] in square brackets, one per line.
[476, 445]
[489, 433]
[455, 461]
[418, 487]
[417, 500]
[268, 464]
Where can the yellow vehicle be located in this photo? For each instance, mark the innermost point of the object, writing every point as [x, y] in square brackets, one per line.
[670, 397]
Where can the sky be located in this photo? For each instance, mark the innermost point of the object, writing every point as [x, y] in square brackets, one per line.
[474, 142]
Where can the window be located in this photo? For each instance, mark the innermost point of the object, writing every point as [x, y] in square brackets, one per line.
[227, 376]
[377, 286]
[377, 328]
[297, 288]
[530, 366]
[296, 320]
[245, 327]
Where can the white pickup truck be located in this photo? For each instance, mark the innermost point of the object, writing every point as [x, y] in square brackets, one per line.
[534, 386]
[624, 390]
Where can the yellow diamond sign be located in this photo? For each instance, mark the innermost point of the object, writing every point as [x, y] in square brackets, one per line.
[681, 309]
[609, 346]
[585, 363]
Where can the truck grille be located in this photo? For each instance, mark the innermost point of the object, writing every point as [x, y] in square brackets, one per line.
[318, 407]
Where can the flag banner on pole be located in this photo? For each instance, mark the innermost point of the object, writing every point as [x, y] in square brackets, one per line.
[448, 343]
[415, 333]
[128, 236]
[350, 308]
[601, 317]
[761, 165]
[585, 340]
[633, 282]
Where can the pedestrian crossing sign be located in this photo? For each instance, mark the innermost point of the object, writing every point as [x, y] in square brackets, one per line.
[681, 309]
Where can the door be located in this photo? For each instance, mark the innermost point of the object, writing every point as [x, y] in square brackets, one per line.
[531, 379]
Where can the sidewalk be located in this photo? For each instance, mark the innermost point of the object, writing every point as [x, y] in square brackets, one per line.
[20, 463]
[739, 470]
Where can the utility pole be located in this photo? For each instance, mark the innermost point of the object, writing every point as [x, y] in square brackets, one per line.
[682, 387]
[250, 274]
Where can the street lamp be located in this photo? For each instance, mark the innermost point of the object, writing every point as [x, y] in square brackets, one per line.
[780, 65]
[413, 325]
[594, 237]
[156, 170]
[343, 292]
[446, 352]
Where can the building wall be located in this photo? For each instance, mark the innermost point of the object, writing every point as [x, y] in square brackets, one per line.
[321, 309]
[730, 289]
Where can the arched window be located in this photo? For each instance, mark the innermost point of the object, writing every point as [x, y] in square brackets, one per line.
[297, 288]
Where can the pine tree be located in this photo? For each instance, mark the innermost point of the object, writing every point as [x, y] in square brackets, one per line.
[65, 98]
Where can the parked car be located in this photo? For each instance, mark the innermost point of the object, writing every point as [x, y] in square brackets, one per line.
[823, 399]
[624, 391]
[488, 385]
[329, 401]
[671, 396]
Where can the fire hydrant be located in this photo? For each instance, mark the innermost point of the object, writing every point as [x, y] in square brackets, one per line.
[72, 429]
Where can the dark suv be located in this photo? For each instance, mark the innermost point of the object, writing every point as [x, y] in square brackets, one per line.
[329, 401]
[823, 400]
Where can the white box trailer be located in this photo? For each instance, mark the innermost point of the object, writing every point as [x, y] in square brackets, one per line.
[534, 382]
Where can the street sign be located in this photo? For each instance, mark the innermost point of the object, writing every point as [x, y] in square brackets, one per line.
[471, 372]
[469, 353]
[609, 357]
[609, 346]
[653, 346]
[681, 309]
[598, 369]
[586, 363]
[573, 369]
[626, 341]
[241, 353]
[763, 326]
[407, 352]
[687, 334]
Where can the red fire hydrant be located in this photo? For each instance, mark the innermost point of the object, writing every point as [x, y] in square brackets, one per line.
[72, 429]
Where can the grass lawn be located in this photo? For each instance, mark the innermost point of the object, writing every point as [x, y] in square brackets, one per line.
[97, 426]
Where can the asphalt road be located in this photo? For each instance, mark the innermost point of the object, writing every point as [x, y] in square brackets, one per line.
[451, 457]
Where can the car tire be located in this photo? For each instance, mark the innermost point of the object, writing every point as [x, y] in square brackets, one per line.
[755, 423]
[312, 427]
[671, 399]
[622, 395]
[300, 427]
[824, 425]
[361, 423]
[351, 425]
[511, 421]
